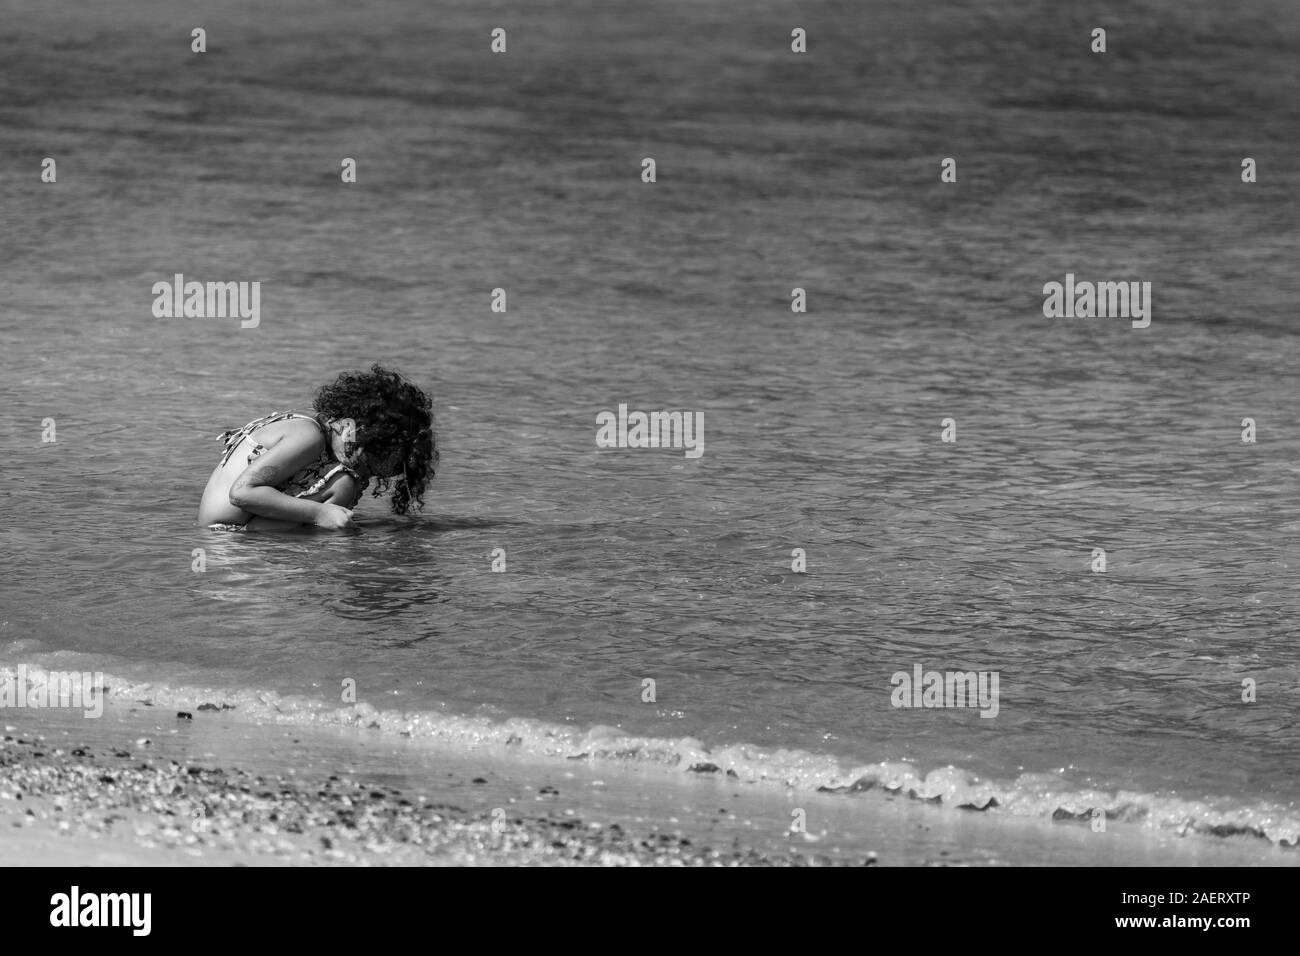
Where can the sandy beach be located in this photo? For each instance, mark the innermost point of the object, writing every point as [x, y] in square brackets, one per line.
[143, 786]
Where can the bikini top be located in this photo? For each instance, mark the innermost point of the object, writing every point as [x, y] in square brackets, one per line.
[304, 483]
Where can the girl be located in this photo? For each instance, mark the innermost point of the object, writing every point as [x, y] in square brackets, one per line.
[288, 469]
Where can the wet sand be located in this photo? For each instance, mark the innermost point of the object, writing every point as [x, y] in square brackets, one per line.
[67, 802]
[143, 786]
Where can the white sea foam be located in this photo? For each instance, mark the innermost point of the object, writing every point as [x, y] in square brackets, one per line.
[1041, 795]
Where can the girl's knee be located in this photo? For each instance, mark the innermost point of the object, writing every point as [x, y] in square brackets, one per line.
[343, 490]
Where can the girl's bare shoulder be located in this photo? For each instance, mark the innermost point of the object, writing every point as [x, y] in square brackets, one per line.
[298, 430]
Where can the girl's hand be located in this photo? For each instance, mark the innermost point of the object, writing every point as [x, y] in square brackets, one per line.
[333, 516]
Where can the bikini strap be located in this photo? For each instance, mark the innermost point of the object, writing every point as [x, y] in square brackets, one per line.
[232, 437]
[324, 479]
[325, 432]
[269, 420]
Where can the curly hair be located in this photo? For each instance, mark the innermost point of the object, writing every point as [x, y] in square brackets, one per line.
[395, 418]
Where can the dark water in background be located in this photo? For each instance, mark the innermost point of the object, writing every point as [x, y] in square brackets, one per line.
[821, 430]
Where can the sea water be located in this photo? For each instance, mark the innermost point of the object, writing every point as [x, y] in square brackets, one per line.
[828, 539]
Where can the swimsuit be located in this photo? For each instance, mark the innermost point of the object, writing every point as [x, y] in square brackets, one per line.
[303, 483]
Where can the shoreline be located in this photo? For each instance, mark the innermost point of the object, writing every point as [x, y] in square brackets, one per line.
[142, 786]
[153, 800]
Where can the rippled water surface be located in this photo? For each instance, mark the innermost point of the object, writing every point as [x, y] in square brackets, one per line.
[821, 429]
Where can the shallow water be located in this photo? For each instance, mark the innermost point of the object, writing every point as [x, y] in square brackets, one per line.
[821, 430]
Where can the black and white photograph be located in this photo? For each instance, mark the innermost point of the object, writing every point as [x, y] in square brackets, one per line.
[679, 433]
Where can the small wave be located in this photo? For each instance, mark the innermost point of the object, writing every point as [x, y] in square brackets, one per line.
[1040, 795]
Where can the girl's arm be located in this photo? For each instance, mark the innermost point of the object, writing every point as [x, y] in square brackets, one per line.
[254, 490]
[342, 490]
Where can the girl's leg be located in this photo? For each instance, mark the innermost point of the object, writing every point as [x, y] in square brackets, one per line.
[343, 490]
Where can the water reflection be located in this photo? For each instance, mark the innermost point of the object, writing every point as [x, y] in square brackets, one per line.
[388, 574]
